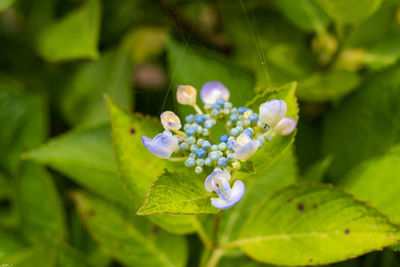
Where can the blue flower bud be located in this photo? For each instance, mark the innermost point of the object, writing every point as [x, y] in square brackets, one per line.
[208, 162]
[214, 147]
[200, 162]
[213, 155]
[229, 146]
[229, 124]
[261, 139]
[248, 132]
[198, 169]
[234, 131]
[190, 131]
[189, 118]
[184, 146]
[246, 122]
[205, 132]
[193, 148]
[199, 129]
[228, 105]
[214, 112]
[233, 117]
[191, 140]
[216, 106]
[206, 145]
[200, 153]
[253, 117]
[222, 162]
[239, 123]
[200, 119]
[200, 142]
[220, 101]
[190, 162]
[208, 124]
[241, 110]
[224, 138]
[230, 156]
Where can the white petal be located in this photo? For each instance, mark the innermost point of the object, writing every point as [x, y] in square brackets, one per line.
[272, 112]
[243, 153]
[286, 126]
[212, 91]
[214, 175]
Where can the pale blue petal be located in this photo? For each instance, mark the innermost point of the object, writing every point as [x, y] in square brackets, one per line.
[237, 193]
[212, 91]
[224, 188]
[244, 152]
[214, 175]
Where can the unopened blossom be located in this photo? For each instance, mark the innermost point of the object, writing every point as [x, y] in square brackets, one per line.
[186, 95]
[170, 121]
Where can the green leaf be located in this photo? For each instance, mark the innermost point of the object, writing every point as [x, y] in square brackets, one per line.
[376, 182]
[75, 36]
[178, 193]
[329, 86]
[4, 4]
[25, 118]
[85, 156]
[83, 101]
[349, 11]
[138, 168]
[281, 173]
[305, 14]
[130, 239]
[42, 214]
[198, 67]
[313, 224]
[358, 128]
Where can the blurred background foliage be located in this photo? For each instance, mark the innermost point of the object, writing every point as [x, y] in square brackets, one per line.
[58, 58]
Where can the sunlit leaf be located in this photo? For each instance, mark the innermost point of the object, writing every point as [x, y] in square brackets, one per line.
[313, 224]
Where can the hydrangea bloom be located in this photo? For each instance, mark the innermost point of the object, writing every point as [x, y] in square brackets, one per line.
[247, 132]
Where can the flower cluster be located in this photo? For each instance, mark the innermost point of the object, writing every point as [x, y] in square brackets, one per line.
[247, 131]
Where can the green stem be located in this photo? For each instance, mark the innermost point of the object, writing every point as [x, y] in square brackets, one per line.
[215, 257]
[177, 159]
[202, 233]
[198, 110]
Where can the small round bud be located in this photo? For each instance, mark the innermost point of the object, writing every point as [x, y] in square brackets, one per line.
[228, 105]
[222, 162]
[200, 142]
[233, 117]
[200, 153]
[222, 146]
[200, 119]
[184, 146]
[206, 145]
[236, 165]
[186, 95]
[253, 117]
[248, 132]
[189, 118]
[208, 162]
[214, 147]
[224, 138]
[205, 132]
[189, 162]
[198, 169]
[213, 155]
[193, 148]
[200, 162]
[217, 169]
[191, 140]
[242, 110]
[214, 112]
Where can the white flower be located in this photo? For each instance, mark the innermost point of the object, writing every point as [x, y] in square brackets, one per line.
[186, 95]
[170, 121]
[272, 112]
[244, 147]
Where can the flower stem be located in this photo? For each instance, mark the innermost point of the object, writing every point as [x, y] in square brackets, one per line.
[178, 132]
[198, 110]
[201, 232]
[177, 159]
[215, 257]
